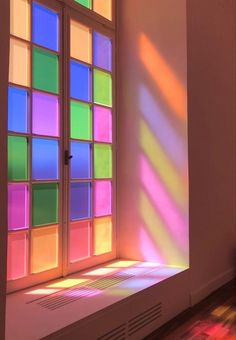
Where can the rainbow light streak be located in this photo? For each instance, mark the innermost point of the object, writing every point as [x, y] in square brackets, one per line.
[42, 291]
[122, 264]
[67, 283]
[100, 272]
[82, 292]
[148, 247]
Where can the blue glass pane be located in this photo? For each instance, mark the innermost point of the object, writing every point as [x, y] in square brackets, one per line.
[80, 163]
[18, 106]
[79, 81]
[44, 159]
[80, 201]
[102, 51]
[45, 27]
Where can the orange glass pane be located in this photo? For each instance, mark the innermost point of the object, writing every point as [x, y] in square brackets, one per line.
[44, 249]
[103, 7]
[80, 41]
[102, 235]
[17, 257]
[19, 72]
[20, 18]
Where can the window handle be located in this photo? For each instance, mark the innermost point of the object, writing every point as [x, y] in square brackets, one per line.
[67, 157]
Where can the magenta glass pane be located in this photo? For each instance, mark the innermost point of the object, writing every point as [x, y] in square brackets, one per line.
[102, 124]
[45, 117]
[18, 206]
[79, 240]
[17, 256]
[102, 198]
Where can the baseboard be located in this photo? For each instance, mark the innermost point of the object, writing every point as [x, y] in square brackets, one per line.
[211, 286]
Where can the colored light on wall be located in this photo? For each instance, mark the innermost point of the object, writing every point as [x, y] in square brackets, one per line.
[102, 51]
[45, 27]
[102, 124]
[18, 109]
[45, 115]
[17, 158]
[80, 163]
[79, 243]
[102, 198]
[44, 249]
[80, 79]
[17, 257]
[80, 201]
[80, 120]
[20, 18]
[103, 7]
[102, 161]
[80, 42]
[44, 204]
[102, 235]
[102, 88]
[19, 68]
[18, 206]
[85, 3]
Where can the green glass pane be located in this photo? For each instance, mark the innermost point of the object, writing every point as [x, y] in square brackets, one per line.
[80, 121]
[102, 161]
[85, 3]
[102, 88]
[45, 70]
[17, 158]
[44, 204]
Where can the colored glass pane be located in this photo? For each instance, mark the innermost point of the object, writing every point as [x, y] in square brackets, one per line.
[85, 3]
[79, 246]
[102, 88]
[80, 120]
[17, 158]
[17, 255]
[45, 70]
[102, 124]
[80, 81]
[18, 206]
[102, 198]
[103, 7]
[45, 159]
[80, 201]
[44, 249]
[102, 161]
[45, 116]
[80, 42]
[102, 51]
[19, 68]
[102, 235]
[80, 163]
[45, 27]
[20, 18]
[44, 204]
[18, 107]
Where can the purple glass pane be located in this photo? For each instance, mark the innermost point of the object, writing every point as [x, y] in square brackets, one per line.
[80, 201]
[80, 163]
[102, 51]
[102, 124]
[18, 206]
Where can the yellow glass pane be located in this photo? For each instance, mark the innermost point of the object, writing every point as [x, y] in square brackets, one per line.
[44, 249]
[103, 7]
[102, 235]
[20, 18]
[19, 71]
[80, 41]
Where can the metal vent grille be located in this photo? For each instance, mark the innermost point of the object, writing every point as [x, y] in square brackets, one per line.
[144, 318]
[118, 333]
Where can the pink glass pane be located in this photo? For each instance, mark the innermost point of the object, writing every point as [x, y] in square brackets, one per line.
[45, 118]
[17, 256]
[102, 197]
[102, 124]
[79, 241]
[18, 206]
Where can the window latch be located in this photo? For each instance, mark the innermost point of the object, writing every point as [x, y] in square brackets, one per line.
[67, 157]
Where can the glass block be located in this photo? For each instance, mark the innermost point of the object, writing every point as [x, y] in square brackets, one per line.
[102, 161]
[102, 88]
[45, 115]
[80, 201]
[79, 246]
[102, 198]
[18, 206]
[80, 80]
[80, 42]
[44, 249]
[80, 121]
[45, 27]
[103, 7]
[45, 159]
[102, 124]
[102, 51]
[85, 3]
[18, 109]
[20, 18]
[17, 255]
[81, 161]
[102, 235]
[19, 68]
[45, 71]
[17, 158]
[44, 204]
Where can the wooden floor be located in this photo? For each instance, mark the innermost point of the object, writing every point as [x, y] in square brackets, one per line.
[214, 318]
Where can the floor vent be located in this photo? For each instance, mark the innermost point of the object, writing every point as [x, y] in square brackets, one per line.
[118, 333]
[145, 318]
